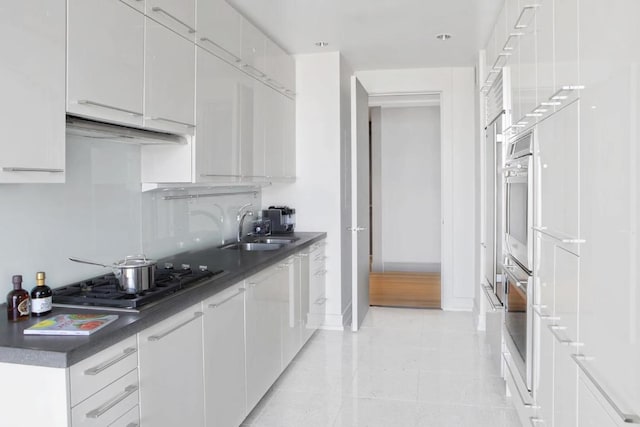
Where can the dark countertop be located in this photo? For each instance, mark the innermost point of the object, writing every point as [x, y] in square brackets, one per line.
[64, 351]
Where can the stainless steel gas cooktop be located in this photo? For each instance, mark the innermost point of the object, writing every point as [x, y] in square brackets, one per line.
[102, 292]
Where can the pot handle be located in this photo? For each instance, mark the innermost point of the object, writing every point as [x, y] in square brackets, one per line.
[140, 256]
[84, 261]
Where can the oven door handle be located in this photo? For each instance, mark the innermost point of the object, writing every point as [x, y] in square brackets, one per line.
[522, 284]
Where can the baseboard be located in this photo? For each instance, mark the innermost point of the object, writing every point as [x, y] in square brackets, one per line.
[338, 322]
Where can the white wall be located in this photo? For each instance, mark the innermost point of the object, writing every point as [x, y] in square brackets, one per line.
[456, 86]
[410, 181]
[317, 193]
[100, 213]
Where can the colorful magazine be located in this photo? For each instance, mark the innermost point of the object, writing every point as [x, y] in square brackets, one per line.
[71, 324]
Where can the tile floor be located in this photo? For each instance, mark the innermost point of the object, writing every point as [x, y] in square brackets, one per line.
[404, 368]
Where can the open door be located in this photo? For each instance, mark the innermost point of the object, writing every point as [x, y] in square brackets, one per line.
[359, 201]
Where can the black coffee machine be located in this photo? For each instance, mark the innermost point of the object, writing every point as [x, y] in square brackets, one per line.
[283, 219]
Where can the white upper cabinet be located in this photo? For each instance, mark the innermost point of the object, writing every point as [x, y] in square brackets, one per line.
[278, 65]
[32, 42]
[179, 15]
[544, 49]
[253, 50]
[105, 54]
[566, 43]
[220, 29]
[289, 138]
[219, 118]
[169, 80]
[558, 175]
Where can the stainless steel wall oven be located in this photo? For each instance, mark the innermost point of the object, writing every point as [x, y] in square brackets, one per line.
[519, 201]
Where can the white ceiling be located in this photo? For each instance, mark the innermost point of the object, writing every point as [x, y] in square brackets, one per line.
[378, 34]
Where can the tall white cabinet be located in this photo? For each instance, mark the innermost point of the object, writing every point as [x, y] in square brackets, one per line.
[578, 89]
[32, 76]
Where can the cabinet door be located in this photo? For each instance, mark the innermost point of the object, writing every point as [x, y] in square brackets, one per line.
[263, 334]
[558, 168]
[179, 15]
[317, 274]
[261, 115]
[276, 62]
[591, 413]
[169, 80]
[219, 96]
[528, 70]
[171, 371]
[274, 133]
[565, 388]
[566, 43]
[220, 29]
[306, 330]
[544, 386]
[253, 50]
[289, 297]
[289, 138]
[105, 54]
[224, 358]
[609, 299]
[544, 50]
[32, 76]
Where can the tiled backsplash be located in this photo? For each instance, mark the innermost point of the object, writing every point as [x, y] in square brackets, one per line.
[101, 214]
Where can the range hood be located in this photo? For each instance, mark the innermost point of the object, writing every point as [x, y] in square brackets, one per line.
[109, 132]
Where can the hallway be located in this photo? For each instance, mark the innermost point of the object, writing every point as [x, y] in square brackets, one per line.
[404, 368]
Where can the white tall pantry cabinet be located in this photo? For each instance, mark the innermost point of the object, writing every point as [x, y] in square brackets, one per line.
[578, 88]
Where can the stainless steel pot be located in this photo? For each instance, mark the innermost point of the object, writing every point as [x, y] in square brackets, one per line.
[135, 273]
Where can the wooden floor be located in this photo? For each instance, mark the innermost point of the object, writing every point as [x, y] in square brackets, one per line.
[400, 289]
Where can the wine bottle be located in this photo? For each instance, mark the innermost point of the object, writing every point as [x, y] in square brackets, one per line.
[40, 297]
[18, 302]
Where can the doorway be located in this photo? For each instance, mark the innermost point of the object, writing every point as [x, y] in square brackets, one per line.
[405, 200]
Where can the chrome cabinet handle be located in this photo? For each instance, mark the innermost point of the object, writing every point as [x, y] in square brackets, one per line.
[107, 106]
[554, 236]
[253, 70]
[524, 401]
[133, 424]
[158, 337]
[303, 255]
[563, 93]
[101, 410]
[101, 367]
[525, 10]
[208, 40]
[538, 311]
[564, 341]
[275, 84]
[535, 421]
[500, 61]
[627, 418]
[20, 169]
[218, 304]
[164, 119]
[320, 273]
[164, 12]
[512, 36]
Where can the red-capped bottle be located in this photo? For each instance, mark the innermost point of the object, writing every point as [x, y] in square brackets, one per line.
[18, 301]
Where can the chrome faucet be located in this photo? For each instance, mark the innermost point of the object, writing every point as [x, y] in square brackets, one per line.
[240, 218]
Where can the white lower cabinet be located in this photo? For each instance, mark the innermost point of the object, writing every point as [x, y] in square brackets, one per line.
[591, 411]
[263, 332]
[290, 317]
[224, 358]
[171, 371]
[317, 273]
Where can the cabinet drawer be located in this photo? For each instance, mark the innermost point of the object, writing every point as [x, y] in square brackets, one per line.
[130, 419]
[92, 374]
[109, 404]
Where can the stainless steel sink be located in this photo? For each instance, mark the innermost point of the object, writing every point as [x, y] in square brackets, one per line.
[279, 240]
[258, 246]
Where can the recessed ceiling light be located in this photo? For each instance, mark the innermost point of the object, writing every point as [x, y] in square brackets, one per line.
[322, 44]
[443, 36]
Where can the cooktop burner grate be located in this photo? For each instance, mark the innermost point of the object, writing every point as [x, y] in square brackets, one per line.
[102, 291]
